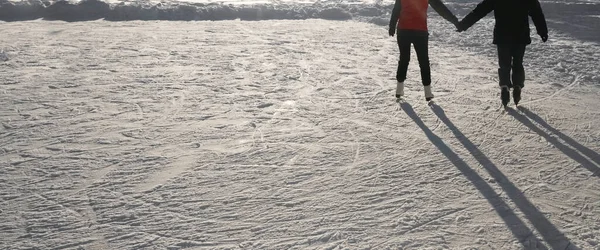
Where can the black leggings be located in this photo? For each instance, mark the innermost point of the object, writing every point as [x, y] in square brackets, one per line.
[510, 56]
[420, 42]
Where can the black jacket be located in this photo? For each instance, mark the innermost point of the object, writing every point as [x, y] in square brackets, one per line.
[512, 19]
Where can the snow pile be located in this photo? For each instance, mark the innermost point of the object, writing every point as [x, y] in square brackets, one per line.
[185, 10]
[134, 12]
[270, 12]
[560, 14]
[25, 10]
[85, 10]
[181, 11]
[335, 14]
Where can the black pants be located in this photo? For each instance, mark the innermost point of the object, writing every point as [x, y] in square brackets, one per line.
[420, 40]
[510, 57]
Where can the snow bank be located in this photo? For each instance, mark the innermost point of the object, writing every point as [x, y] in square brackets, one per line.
[25, 10]
[84, 10]
[576, 18]
[95, 9]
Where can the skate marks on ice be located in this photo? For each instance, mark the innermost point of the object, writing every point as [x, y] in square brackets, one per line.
[167, 173]
[591, 154]
[552, 235]
[198, 145]
[588, 158]
[574, 83]
[518, 228]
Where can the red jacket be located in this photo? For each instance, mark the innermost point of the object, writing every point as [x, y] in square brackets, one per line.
[412, 14]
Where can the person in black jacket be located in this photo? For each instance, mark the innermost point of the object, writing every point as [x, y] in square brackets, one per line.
[511, 35]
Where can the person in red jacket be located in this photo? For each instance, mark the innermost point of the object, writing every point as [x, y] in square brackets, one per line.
[409, 21]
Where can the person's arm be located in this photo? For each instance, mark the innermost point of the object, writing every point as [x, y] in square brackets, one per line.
[394, 18]
[479, 12]
[443, 11]
[537, 15]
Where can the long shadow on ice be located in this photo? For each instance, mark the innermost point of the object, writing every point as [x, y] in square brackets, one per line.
[552, 235]
[517, 227]
[578, 153]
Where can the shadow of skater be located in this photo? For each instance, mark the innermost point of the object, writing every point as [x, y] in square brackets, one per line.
[592, 165]
[554, 237]
[517, 227]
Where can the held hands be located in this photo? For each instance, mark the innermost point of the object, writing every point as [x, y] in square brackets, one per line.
[459, 26]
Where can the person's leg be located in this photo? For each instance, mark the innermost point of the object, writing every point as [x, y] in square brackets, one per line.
[504, 65]
[518, 71]
[404, 47]
[422, 49]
